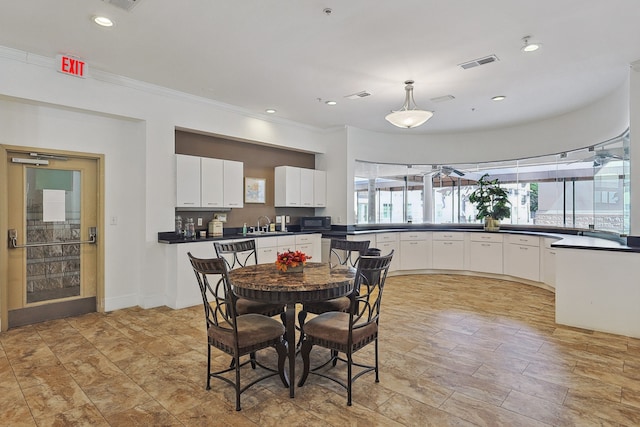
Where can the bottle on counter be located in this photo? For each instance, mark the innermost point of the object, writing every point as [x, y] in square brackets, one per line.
[244, 229]
[179, 225]
[190, 229]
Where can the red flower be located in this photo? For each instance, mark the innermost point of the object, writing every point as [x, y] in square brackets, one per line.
[289, 259]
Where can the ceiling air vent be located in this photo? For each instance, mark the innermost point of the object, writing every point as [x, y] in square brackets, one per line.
[123, 4]
[480, 61]
[443, 98]
[362, 94]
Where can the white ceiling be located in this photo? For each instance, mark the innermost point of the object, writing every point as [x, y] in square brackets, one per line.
[289, 54]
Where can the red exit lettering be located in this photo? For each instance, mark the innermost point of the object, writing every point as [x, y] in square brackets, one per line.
[72, 66]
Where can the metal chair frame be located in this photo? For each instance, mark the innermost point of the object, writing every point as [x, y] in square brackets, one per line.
[364, 312]
[219, 308]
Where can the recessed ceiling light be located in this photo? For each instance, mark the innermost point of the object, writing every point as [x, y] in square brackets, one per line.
[270, 111]
[530, 46]
[103, 21]
[330, 102]
[498, 98]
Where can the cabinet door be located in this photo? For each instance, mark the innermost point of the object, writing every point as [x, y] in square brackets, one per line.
[187, 181]
[310, 244]
[448, 254]
[306, 188]
[524, 261]
[320, 189]
[287, 186]
[550, 267]
[211, 181]
[386, 247]
[233, 184]
[485, 257]
[414, 254]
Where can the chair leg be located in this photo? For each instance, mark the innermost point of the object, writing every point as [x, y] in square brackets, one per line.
[252, 357]
[237, 359]
[376, 346]
[334, 357]
[349, 377]
[281, 348]
[208, 367]
[301, 318]
[306, 351]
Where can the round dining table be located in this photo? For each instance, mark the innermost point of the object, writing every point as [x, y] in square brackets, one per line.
[317, 282]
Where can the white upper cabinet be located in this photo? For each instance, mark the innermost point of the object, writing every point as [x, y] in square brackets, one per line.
[299, 187]
[306, 188]
[287, 186]
[187, 181]
[211, 179]
[208, 183]
[320, 189]
[233, 196]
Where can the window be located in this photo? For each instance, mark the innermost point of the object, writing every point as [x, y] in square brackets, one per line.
[583, 189]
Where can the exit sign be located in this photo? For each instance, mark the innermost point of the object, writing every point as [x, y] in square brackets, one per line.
[72, 66]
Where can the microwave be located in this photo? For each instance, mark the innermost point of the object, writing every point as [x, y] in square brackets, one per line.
[315, 223]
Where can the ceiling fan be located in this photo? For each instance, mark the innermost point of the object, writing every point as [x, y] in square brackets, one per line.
[601, 157]
[441, 171]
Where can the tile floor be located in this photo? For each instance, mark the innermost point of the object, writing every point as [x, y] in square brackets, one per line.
[455, 351]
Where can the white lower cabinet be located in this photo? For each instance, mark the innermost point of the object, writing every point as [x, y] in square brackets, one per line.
[269, 247]
[388, 242]
[548, 264]
[448, 250]
[183, 290]
[485, 253]
[415, 250]
[523, 257]
[310, 244]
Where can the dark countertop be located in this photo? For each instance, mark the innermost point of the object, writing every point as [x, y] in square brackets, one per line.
[169, 237]
[566, 238]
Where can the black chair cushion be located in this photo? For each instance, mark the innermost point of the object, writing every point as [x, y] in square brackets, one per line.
[334, 327]
[253, 329]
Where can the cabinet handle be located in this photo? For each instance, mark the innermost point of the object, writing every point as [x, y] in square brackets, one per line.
[448, 243]
[485, 244]
[212, 204]
[524, 248]
[552, 253]
[485, 237]
[413, 243]
[188, 203]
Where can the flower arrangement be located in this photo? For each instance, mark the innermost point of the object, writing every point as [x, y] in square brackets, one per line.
[288, 260]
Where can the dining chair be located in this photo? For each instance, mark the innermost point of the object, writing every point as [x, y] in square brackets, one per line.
[341, 253]
[236, 335]
[351, 331]
[240, 254]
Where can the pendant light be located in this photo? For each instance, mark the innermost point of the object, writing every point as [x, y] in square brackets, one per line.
[409, 116]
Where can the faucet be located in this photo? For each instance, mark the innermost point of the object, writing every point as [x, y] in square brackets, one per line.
[268, 222]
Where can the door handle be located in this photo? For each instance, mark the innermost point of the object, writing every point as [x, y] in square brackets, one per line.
[13, 240]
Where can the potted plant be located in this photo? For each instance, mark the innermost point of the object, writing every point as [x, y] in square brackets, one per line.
[491, 201]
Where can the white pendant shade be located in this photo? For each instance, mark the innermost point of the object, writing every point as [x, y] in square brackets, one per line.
[409, 116]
